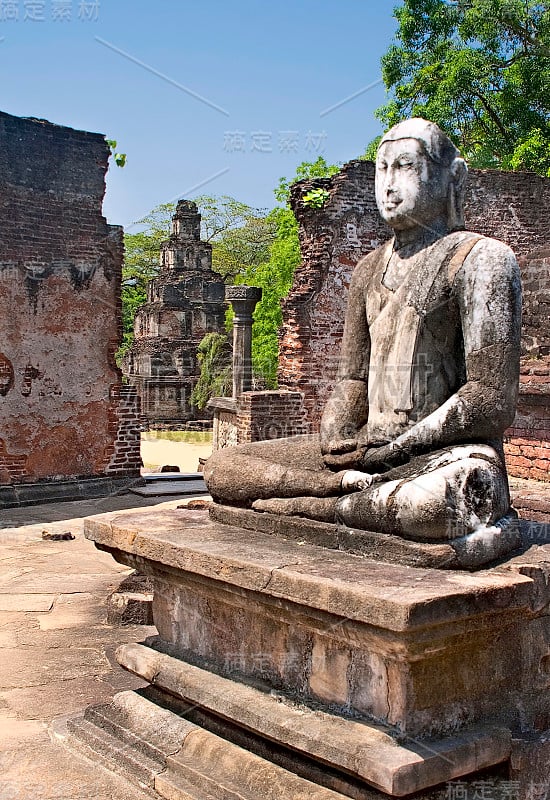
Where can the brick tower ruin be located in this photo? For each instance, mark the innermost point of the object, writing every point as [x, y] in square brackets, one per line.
[184, 303]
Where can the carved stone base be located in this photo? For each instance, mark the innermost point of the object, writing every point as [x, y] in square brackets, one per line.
[354, 675]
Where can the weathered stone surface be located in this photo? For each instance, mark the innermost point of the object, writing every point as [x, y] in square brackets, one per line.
[425, 650]
[461, 553]
[19, 668]
[26, 602]
[72, 611]
[529, 766]
[130, 608]
[184, 303]
[348, 584]
[363, 750]
[156, 748]
[65, 415]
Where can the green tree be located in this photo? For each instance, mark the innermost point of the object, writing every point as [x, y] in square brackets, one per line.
[141, 263]
[480, 69]
[215, 380]
[276, 274]
[239, 250]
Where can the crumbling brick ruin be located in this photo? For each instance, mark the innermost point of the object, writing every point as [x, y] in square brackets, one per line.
[68, 427]
[512, 207]
[184, 303]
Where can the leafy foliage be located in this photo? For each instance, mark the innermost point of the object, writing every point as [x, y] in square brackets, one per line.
[119, 158]
[480, 69]
[214, 356]
[141, 263]
[275, 275]
[221, 215]
[316, 198]
[238, 251]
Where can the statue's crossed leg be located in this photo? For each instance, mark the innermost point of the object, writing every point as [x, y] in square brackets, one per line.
[439, 496]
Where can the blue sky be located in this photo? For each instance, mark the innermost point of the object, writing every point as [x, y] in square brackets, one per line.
[250, 88]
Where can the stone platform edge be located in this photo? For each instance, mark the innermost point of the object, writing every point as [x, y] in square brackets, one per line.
[366, 751]
[392, 596]
[29, 494]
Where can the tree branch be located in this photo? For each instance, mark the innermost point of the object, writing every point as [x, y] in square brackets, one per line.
[492, 113]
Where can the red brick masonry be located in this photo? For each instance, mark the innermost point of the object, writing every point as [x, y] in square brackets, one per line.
[64, 412]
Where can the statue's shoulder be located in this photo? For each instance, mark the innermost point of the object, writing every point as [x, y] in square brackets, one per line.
[476, 252]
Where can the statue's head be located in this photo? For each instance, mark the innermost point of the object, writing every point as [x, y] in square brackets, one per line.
[419, 177]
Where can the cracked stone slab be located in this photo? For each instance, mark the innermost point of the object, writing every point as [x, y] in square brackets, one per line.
[74, 611]
[392, 595]
[26, 602]
[70, 695]
[41, 583]
[38, 666]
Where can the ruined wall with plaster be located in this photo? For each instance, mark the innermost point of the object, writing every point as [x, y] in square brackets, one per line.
[63, 410]
[512, 207]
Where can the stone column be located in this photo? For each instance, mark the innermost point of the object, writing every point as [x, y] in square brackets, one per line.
[243, 299]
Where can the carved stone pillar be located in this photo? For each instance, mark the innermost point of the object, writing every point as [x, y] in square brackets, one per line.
[244, 300]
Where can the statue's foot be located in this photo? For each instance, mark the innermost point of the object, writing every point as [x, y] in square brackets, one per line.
[488, 542]
[318, 508]
[355, 481]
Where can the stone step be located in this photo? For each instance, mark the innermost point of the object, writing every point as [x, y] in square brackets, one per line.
[141, 725]
[369, 752]
[107, 719]
[157, 750]
[171, 487]
[174, 787]
[98, 744]
[228, 772]
[154, 477]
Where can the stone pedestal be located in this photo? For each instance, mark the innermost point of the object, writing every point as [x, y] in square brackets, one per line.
[331, 674]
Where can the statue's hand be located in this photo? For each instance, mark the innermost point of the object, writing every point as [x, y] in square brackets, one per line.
[338, 445]
[339, 461]
[384, 458]
[355, 481]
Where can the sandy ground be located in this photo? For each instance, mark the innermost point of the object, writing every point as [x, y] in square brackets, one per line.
[157, 452]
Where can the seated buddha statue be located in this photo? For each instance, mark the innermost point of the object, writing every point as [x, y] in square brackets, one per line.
[410, 440]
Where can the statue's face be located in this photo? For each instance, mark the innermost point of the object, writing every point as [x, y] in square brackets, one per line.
[411, 190]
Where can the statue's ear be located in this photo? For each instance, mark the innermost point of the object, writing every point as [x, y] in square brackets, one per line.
[459, 170]
[455, 200]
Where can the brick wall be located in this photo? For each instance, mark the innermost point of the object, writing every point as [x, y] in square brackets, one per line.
[527, 442]
[63, 412]
[270, 415]
[125, 428]
[512, 207]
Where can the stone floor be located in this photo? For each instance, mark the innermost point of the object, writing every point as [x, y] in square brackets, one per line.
[56, 648]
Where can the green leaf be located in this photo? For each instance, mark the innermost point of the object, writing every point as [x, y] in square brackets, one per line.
[480, 69]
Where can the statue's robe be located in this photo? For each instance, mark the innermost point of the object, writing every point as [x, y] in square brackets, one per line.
[430, 360]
